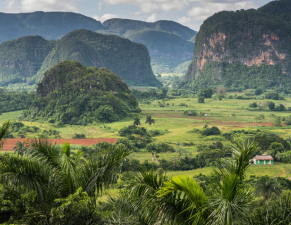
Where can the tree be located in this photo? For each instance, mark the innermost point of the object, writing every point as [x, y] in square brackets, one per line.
[271, 106]
[20, 148]
[266, 186]
[54, 172]
[201, 99]
[221, 90]
[258, 92]
[276, 148]
[150, 121]
[164, 92]
[229, 201]
[3, 131]
[136, 122]
[205, 92]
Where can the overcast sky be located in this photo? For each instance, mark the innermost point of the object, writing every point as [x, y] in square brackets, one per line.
[190, 13]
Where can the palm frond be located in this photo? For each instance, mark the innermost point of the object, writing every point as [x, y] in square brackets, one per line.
[31, 174]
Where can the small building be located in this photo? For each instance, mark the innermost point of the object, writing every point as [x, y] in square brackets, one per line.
[263, 160]
[205, 114]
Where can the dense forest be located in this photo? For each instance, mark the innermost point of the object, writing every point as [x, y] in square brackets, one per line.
[74, 94]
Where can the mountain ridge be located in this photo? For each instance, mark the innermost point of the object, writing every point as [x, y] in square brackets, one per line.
[129, 60]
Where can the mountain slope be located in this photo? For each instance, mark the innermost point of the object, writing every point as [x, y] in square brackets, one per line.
[71, 93]
[49, 25]
[125, 27]
[166, 49]
[129, 60]
[169, 43]
[235, 49]
[23, 61]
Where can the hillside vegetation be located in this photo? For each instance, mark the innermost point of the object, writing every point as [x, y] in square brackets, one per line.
[169, 43]
[74, 94]
[25, 60]
[234, 48]
[21, 59]
[166, 49]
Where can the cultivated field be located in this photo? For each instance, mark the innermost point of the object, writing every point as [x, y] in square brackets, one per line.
[227, 115]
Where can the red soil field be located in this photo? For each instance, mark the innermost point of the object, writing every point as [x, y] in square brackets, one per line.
[10, 143]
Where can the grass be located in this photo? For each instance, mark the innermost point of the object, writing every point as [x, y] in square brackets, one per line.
[227, 115]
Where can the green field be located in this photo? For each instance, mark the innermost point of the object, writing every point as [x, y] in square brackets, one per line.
[227, 115]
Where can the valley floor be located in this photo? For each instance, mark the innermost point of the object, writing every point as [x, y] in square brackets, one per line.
[227, 115]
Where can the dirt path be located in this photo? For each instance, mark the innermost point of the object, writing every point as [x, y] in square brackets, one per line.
[10, 143]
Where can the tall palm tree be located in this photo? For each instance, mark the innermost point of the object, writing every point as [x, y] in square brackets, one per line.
[20, 148]
[3, 132]
[150, 121]
[54, 172]
[229, 200]
[136, 122]
[266, 186]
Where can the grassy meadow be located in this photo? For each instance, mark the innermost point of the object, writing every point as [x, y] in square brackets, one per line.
[227, 115]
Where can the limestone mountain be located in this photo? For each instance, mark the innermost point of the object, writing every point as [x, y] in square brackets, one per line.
[167, 50]
[20, 59]
[49, 25]
[24, 62]
[71, 93]
[170, 44]
[244, 49]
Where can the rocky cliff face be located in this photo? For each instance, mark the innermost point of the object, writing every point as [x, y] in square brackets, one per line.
[250, 38]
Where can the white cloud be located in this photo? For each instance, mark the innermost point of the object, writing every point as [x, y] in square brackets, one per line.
[152, 18]
[137, 14]
[100, 6]
[149, 7]
[105, 17]
[204, 10]
[184, 20]
[41, 5]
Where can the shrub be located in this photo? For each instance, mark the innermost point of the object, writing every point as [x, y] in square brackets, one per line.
[253, 105]
[201, 99]
[274, 96]
[210, 131]
[161, 147]
[258, 92]
[79, 136]
[130, 130]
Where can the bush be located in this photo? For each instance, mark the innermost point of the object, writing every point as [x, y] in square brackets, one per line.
[201, 99]
[205, 92]
[161, 147]
[210, 131]
[79, 136]
[253, 105]
[274, 96]
[130, 130]
[258, 92]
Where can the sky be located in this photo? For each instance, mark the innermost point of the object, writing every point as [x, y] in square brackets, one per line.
[190, 13]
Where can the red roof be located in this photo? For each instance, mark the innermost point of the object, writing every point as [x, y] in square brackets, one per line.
[264, 157]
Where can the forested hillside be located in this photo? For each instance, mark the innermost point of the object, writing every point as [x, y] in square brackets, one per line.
[167, 50]
[49, 25]
[236, 48]
[23, 61]
[74, 94]
[20, 59]
[126, 27]
[169, 43]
